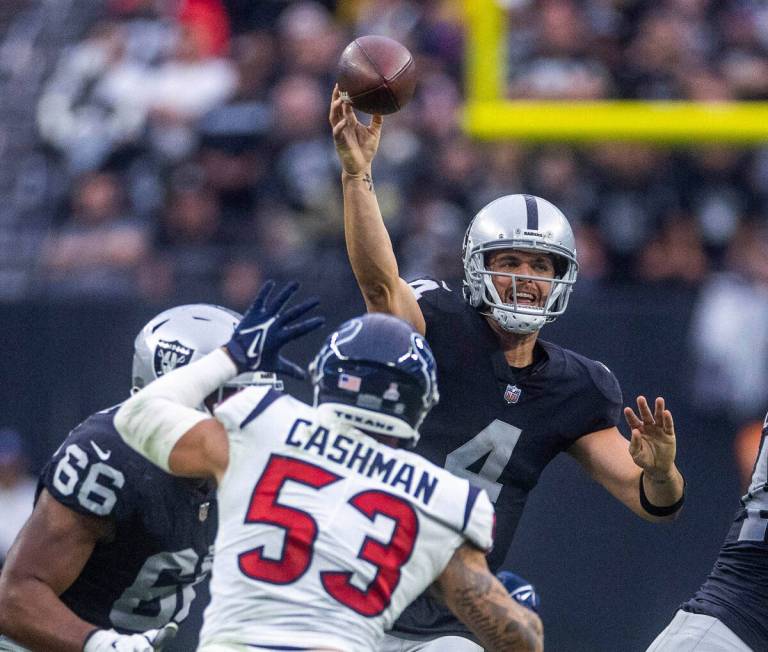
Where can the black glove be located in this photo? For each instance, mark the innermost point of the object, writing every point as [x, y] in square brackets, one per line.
[264, 329]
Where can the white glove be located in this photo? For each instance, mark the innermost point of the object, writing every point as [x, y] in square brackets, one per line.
[108, 640]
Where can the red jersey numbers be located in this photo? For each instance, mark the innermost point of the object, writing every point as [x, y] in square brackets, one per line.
[300, 527]
[388, 558]
[301, 531]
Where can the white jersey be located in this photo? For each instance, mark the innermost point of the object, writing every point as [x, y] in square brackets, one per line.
[326, 535]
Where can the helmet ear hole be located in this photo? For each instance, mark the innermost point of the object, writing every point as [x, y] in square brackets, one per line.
[473, 285]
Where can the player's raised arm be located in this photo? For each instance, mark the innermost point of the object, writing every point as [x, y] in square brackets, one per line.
[482, 603]
[368, 244]
[161, 421]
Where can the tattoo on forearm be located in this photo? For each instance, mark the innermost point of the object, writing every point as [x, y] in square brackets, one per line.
[368, 181]
[499, 623]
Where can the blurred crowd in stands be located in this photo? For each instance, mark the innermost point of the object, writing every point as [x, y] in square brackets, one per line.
[17, 488]
[181, 151]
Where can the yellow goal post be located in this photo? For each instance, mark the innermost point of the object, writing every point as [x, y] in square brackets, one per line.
[489, 115]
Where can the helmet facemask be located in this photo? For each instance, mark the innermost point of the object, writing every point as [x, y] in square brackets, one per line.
[505, 225]
[511, 315]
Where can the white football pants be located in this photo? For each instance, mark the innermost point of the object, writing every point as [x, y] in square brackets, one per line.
[442, 644]
[688, 632]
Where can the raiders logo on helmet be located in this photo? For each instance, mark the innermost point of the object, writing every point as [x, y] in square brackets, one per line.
[170, 355]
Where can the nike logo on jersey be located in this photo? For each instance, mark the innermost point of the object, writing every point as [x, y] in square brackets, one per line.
[103, 455]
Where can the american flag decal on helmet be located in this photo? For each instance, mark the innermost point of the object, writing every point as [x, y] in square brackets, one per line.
[349, 382]
[512, 394]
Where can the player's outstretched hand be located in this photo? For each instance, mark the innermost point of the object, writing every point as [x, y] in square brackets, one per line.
[652, 446]
[108, 640]
[356, 143]
[265, 328]
[519, 589]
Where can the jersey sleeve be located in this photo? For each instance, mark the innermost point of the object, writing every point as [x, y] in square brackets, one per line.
[434, 296]
[479, 519]
[239, 410]
[93, 472]
[608, 413]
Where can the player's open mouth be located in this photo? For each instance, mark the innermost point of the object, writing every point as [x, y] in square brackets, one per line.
[523, 298]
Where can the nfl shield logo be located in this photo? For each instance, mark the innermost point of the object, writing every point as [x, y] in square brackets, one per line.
[392, 393]
[512, 394]
[202, 512]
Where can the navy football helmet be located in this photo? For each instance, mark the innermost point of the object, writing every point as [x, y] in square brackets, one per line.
[376, 374]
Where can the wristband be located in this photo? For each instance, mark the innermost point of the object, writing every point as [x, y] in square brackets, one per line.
[89, 637]
[656, 510]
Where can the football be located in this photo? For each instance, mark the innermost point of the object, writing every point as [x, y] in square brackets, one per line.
[377, 74]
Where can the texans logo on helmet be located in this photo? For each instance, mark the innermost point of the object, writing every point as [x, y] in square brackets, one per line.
[170, 355]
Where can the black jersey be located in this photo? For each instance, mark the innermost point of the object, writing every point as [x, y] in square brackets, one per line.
[498, 426]
[736, 591]
[164, 529]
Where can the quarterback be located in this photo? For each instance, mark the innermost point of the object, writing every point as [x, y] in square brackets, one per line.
[328, 528]
[512, 401]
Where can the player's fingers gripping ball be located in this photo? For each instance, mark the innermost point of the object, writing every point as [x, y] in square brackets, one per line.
[520, 590]
[266, 327]
[376, 74]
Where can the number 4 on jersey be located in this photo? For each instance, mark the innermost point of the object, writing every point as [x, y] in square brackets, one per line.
[422, 285]
[495, 443]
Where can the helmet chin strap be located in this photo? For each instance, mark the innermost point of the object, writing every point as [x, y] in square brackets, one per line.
[512, 323]
[507, 318]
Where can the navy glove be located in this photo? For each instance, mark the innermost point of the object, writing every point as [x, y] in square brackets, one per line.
[264, 329]
[520, 590]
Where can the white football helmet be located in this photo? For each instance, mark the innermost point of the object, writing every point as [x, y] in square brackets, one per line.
[526, 223]
[181, 335]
